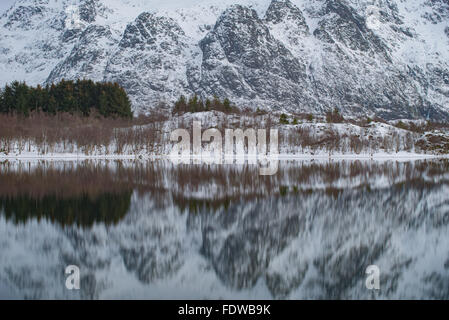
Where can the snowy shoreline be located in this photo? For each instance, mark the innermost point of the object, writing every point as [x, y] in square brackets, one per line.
[305, 140]
[281, 157]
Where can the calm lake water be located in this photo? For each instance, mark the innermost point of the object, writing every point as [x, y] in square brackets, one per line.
[162, 231]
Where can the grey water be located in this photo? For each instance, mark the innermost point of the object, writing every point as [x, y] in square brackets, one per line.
[155, 230]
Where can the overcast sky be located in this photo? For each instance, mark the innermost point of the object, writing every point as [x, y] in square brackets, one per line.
[5, 4]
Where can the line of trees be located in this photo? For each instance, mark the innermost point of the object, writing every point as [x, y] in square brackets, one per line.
[81, 97]
[196, 104]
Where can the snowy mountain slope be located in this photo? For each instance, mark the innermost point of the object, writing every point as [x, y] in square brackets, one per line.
[312, 243]
[241, 58]
[88, 58]
[387, 57]
[157, 43]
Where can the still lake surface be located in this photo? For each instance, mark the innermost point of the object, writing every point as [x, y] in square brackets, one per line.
[157, 230]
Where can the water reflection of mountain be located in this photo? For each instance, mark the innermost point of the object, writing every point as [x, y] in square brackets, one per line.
[226, 232]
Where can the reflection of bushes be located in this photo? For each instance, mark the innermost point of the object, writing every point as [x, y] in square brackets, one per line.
[82, 211]
[283, 190]
[195, 206]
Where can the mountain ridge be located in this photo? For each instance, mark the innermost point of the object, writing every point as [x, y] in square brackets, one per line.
[383, 57]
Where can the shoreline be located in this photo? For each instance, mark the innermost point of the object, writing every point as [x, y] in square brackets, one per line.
[281, 157]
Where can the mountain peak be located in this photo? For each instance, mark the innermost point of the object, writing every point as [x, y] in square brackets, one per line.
[389, 59]
[281, 11]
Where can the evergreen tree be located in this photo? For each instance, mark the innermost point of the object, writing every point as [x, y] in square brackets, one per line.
[2, 104]
[194, 104]
[180, 105]
[227, 104]
[208, 105]
[103, 103]
[21, 97]
[8, 100]
[283, 119]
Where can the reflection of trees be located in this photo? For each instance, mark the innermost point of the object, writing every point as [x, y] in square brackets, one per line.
[194, 205]
[80, 194]
[84, 192]
[82, 210]
[213, 188]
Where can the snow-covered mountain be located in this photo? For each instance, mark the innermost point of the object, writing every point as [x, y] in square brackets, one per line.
[388, 57]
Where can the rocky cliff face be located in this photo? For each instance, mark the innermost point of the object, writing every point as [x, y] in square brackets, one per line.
[384, 57]
[151, 57]
[242, 59]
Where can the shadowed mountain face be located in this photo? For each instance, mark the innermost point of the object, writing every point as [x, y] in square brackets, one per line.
[241, 56]
[388, 58]
[202, 231]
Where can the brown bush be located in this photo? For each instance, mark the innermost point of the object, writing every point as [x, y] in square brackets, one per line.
[88, 133]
